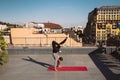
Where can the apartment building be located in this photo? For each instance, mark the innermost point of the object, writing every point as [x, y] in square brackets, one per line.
[103, 22]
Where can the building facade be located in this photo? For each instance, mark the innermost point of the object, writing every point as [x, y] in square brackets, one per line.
[2, 27]
[102, 23]
[45, 27]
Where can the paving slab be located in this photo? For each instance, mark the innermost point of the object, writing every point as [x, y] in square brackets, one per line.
[34, 67]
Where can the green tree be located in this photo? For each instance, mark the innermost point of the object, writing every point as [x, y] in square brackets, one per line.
[3, 50]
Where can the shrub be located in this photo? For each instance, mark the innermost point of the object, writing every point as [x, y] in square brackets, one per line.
[3, 50]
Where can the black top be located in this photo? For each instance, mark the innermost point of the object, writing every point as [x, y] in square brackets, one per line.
[56, 46]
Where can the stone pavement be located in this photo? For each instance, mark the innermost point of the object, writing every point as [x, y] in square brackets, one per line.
[108, 65]
[21, 67]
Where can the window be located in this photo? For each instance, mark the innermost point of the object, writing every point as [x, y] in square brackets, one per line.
[118, 17]
[98, 31]
[103, 26]
[114, 17]
[110, 11]
[98, 34]
[99, 17]
[98, 38]
[106, 11]
[103, 38]
[107, 17]
[102, 17]
[114, 32]
[113, 11]
[103, 31]
[103, 35]
[114, 26]
[108, 30]
[99, 26]
[118, 11]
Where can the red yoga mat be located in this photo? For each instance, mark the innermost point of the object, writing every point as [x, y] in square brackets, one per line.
[68, 68]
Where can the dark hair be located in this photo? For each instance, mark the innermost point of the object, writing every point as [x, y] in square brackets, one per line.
[61, 58]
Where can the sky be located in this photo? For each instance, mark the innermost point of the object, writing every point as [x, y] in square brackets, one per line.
[67, 13]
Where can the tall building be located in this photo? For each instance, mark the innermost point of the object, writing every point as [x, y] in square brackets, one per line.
[103, 22]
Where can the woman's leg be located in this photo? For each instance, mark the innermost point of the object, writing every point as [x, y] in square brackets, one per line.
[53, 56]
[58, 63]
[55, 61]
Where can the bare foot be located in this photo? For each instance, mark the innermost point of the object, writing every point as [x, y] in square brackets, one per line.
[56, 70]
[59, 66]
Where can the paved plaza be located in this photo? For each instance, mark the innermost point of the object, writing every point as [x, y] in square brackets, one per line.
[34, 67]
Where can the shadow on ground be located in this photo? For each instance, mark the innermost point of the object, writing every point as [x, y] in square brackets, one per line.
[106, 64]
[37, 62]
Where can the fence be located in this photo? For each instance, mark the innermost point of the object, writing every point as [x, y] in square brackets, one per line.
[42, 41]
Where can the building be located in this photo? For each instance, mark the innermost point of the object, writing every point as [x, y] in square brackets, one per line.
[78, 28]
[2, 27]
[45, 27]
[78, 31]
[103, 22]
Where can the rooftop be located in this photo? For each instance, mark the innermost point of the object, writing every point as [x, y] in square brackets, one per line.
[49, 25]
[52, 25]
[109, 7]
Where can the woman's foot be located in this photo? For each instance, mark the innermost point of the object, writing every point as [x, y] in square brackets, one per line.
[56, 70]
[59, 66]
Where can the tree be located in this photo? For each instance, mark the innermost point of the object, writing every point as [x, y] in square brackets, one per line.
[3, 50]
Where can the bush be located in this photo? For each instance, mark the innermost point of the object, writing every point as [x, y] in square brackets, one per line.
[3, 51]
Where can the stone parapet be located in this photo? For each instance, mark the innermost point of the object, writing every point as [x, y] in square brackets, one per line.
[27, 37]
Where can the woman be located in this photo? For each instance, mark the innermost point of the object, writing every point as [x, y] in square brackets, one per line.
[56, 49]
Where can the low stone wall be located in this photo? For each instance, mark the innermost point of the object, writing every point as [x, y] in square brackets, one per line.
[27, 37]
[48, 50]
[65, 50]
